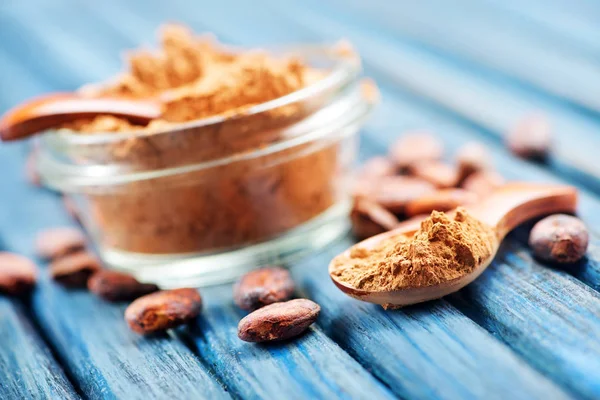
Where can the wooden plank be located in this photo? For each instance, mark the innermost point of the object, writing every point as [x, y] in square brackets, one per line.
[27, 368]
[399, 346]
[99, 351]
[311, 366]
[489, 101]
[295, 367]
[360, 345]
[560, 307]
[471, 30]
[573, 23]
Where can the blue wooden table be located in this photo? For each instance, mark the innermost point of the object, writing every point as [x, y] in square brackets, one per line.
[466, 69]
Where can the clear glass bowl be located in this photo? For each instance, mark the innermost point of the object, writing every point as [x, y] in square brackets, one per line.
[203, 202]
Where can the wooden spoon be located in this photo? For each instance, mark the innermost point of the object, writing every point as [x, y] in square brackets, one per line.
[506, 208]
[53, 110]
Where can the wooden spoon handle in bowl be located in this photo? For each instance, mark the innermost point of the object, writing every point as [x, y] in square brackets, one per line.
[53, 110]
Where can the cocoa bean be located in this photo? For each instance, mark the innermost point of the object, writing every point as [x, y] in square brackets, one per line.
[74, 270]
[262, 287]
[278, 321]
[58, 242]
[415, 147]
[118, 286]
[163, 310]
[483, 183]
[369, 219]
[559, 238]
[18, 274]
[394, 192]
[377, 167]
[442, 200]
[437, 173]
[472, 157]
[531, 137]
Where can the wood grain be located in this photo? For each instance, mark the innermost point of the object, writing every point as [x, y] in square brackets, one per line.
[422, 351]
[102, 355]
[441, 352]
[463, 31]
[27, 366]
[311, 366]
[489, 100]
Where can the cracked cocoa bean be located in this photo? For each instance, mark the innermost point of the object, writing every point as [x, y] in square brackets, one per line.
[58, 242]
[483, 183]
[559, 238]
[377, 167]
[74, 270]
[531, 138]
[415, 147]
[18, 274]
[369, 219]
[278, 321]
[471, 158]
[163, 310]
[264, 286]
[118, 286]
[393, 192]
[437, 173]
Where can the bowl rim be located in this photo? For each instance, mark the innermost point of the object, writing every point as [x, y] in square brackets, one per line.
[346, 68]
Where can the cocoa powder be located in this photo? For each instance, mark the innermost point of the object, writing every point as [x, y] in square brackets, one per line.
[246, 200]
[443, 249]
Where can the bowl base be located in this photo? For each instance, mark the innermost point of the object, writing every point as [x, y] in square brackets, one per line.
[201, 269]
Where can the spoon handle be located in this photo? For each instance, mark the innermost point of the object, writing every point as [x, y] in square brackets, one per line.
[53, 110]
[517, 202]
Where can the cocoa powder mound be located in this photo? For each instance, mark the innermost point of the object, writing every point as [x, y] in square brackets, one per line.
[195, 77]
[244, 201]
[443, 249]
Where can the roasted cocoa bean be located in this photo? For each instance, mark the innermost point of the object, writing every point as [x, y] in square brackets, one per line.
[264, 286]
[369, 219]
[18, 274]
[442, 200]
[416, 147]
[437, 173]
[559, 238]
[74, 270]
[377, 167]
[472, 157]
[531, 137]
[118, 286]
[483, 183]
[163, 310]
[393, 192]
[58, 242]
[278, 321]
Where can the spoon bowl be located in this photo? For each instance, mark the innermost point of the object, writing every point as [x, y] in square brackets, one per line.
[505, 209]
